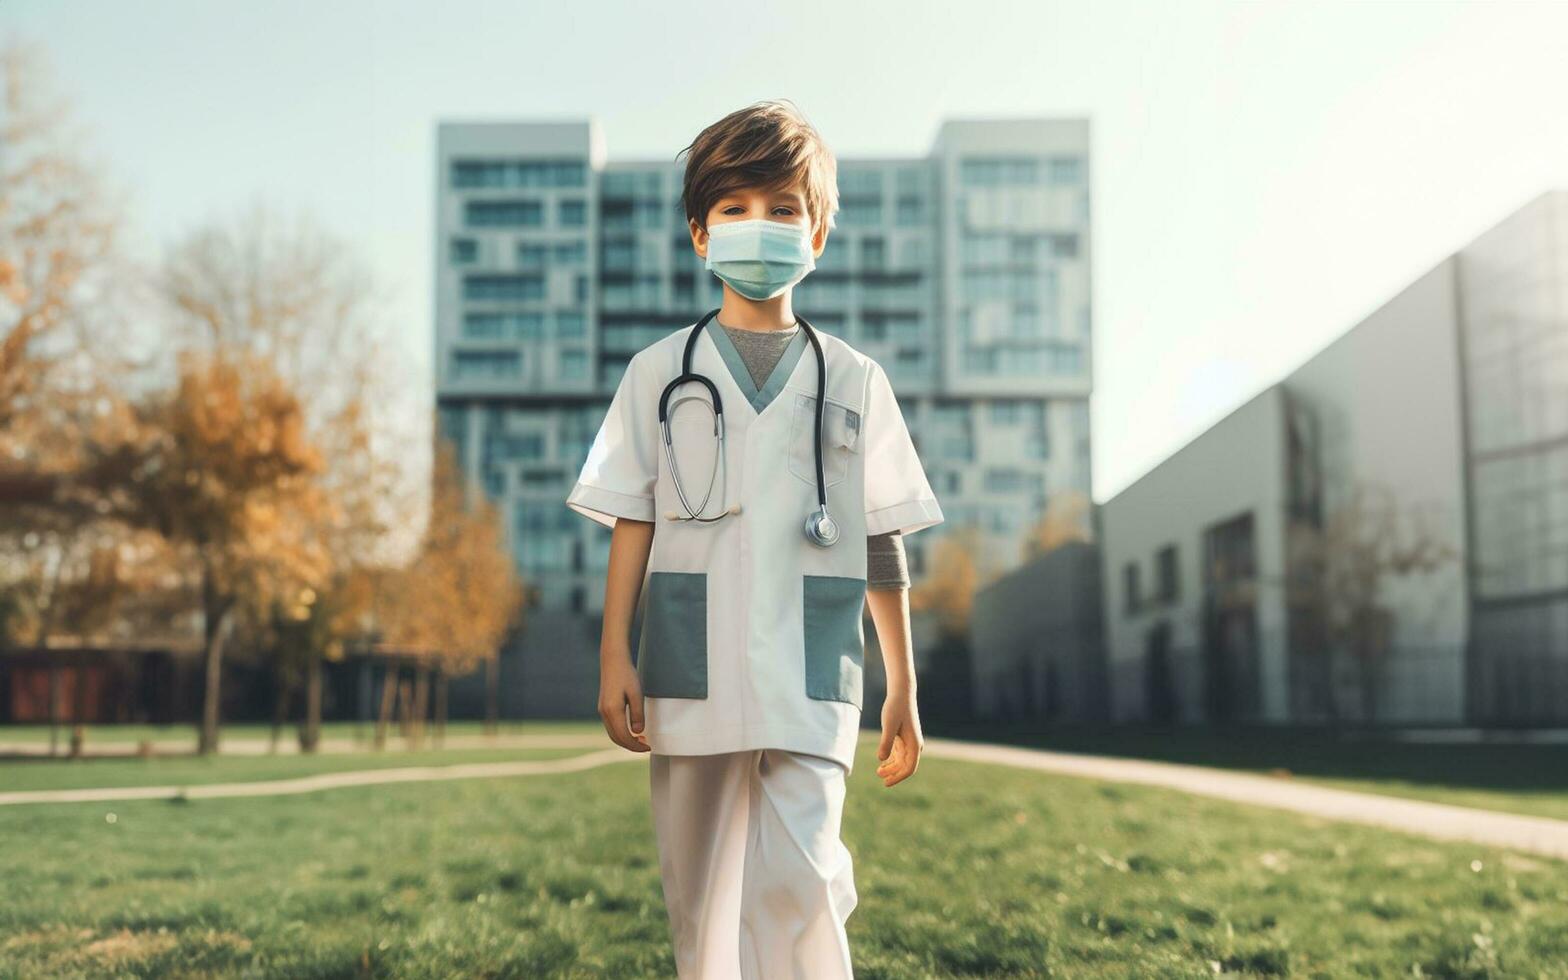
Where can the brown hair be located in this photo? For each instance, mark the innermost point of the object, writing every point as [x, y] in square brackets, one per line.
[768, 145]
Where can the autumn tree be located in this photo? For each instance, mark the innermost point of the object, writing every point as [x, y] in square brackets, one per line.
[280, 290]
[948, 591]
[57, 272]
[68, 569]
[454, 603]
[57, 231]
[220, 466]
[272, 522]
[1064, 519]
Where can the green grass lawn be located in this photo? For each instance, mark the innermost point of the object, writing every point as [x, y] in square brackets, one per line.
[1530, 779]
[964, 870]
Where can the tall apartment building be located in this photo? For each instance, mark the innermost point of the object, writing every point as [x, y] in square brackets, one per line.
[965, 273]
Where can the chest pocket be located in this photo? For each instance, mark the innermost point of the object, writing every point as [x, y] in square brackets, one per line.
[840, 437]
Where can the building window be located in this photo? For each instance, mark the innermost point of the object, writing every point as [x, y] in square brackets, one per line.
[1006, 411]
[454, 426]
[484, 326]
[1130, 586]
[573, 214]
[503, 214]
[1165, 573]
[532, 255]
[503, 326]
[999, 171]
[859, 212]
[518, 173]
[570, 324]
[1066, 170]
[911, 212]
[873, 253]
[464, 251]
[491, 287]
[486, 364]
[574, 365]
[1010, 481]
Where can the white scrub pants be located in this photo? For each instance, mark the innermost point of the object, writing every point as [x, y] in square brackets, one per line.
[756, 880]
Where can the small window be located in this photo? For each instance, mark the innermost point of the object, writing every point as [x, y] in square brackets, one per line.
[1166, 571]
[1130, 584]
[872, 253]
[464, 251]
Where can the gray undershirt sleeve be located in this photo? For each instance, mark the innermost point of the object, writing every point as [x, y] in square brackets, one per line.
[760, 350]
[886, 566]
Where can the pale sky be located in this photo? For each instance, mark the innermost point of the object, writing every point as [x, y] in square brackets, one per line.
[1264, 174]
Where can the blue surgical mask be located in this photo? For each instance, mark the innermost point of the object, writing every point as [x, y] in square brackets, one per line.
[760, 257]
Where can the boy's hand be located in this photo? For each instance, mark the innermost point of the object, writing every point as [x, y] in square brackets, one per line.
[902, 742]
[620, 694]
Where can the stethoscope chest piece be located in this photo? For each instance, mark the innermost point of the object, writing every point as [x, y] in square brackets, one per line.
[821, 529]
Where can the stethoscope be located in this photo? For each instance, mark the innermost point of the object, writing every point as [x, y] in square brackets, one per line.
[820, 527]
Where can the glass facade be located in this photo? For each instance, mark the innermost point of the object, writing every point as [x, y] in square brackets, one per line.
[1513, 284]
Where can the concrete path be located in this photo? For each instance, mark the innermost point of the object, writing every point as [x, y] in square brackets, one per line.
[1537, 835]
[327, 780]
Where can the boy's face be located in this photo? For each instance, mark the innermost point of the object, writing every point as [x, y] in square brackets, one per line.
[787, 205]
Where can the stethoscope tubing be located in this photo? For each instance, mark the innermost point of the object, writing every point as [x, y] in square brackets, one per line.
[687, 375]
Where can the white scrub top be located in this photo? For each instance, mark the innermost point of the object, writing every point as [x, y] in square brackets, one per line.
[750, 635]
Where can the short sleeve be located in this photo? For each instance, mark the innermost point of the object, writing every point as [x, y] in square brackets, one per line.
[898, 496]
[618, 477]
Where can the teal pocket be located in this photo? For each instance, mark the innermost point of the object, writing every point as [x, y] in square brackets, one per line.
[672, 650]
[831, 606]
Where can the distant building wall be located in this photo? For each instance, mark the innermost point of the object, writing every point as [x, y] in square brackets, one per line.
[1036, 643]
[1452, 400]
[1155, 642]
[1385, 399]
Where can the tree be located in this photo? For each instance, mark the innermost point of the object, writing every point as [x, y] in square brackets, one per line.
[455, 602]
[220, 466]
[949, 591]
[284, 292]
[57, 246]
[56, 234]
[1340, 569]
[1064, 519]
[264, 537]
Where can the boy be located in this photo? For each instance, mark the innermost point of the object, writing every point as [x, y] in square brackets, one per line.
[757, 476]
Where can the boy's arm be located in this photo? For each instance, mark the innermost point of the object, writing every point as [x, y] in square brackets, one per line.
[620, 691]
[902, 741]
[898, 498]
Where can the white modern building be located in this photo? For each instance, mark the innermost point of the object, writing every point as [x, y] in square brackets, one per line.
[964, 272]
[1446, 412]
